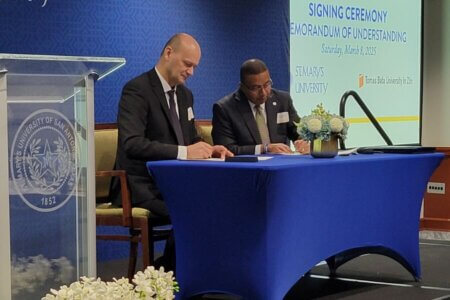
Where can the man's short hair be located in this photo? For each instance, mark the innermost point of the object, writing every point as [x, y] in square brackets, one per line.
[252, 67]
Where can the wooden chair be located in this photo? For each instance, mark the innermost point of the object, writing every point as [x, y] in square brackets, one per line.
[137, 220]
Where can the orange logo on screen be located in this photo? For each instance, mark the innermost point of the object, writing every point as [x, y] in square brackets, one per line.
[361, 80]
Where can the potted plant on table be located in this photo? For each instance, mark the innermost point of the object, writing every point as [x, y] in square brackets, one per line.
[322, 129]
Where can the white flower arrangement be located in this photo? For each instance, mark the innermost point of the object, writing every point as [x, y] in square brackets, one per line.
[321, 125]
[150, 284]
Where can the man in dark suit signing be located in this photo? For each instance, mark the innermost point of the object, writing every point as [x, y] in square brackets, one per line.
[156, 121]
[256, 118]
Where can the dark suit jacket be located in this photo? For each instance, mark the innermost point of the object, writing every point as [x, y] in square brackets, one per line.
[146, 133]
[234, 125]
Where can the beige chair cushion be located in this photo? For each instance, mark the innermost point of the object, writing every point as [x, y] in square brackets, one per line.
[105, 157]
[107, 209]
[204, 131]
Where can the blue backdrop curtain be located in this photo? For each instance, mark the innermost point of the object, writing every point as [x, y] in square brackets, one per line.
[229, 32]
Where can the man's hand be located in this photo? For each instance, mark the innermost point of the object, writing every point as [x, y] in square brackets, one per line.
[301, 146]
[199, 150]
[221, 152]
[278, 148]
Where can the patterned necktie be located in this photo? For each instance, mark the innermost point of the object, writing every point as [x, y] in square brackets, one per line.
[262, 126]
[174, 118]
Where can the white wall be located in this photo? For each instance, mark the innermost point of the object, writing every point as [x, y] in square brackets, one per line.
[436, 74]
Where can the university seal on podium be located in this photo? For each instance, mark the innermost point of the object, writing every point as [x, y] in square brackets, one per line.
[43, 160]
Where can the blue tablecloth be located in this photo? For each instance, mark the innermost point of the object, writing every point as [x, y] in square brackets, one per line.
[253, 229]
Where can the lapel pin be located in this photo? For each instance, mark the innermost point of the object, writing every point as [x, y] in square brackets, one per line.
[274, 103]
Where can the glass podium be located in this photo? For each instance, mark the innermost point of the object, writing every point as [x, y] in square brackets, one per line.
[47, 171]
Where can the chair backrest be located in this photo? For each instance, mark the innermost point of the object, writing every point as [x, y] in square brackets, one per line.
[105, 157]
[204, 131]
[106, 148]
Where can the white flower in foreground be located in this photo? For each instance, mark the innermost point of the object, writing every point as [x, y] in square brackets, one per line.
[336, 125]
[155, 284]
[119, 289]
[314, 125]
[150, 284]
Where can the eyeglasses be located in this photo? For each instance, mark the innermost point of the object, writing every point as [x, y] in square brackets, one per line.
[257, 88]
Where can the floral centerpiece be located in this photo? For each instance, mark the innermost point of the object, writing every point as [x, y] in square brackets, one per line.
[320, 127]
[150, 284]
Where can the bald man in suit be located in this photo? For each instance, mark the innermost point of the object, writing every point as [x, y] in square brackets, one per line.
[156, 122]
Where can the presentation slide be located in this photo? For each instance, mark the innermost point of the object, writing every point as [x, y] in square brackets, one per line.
[372, 47]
